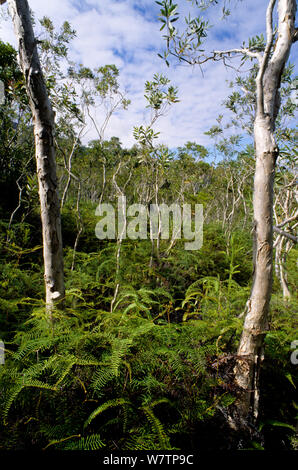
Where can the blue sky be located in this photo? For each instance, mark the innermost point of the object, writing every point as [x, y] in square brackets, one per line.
[126, 33]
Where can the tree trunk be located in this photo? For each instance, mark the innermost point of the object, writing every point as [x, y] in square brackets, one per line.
[43, 120]
[266, 152]
[280, 263]
[251, 343]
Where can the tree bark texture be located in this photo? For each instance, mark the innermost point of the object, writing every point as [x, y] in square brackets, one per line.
[43, 120]
[266, 152]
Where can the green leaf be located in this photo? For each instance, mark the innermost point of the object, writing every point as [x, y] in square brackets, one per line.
[280, 424]
[290, 379]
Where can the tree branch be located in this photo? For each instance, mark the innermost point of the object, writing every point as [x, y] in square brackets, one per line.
[286, 234]
[265, 58]
[243, 51]
[290, 219]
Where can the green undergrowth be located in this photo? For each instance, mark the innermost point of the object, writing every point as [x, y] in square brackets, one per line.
[156, 373]
[126, 380]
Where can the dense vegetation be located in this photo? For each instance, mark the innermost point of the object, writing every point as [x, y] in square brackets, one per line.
[141, 355]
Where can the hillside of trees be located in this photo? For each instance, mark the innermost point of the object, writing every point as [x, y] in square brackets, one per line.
[140, 350]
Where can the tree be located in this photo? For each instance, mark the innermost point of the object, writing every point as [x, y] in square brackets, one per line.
[43, 120]
[271, 55]
[160, 95]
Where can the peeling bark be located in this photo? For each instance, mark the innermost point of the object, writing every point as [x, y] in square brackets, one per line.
[43, 120]
[266, 152]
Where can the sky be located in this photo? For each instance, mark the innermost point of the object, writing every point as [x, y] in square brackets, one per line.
[127, 33]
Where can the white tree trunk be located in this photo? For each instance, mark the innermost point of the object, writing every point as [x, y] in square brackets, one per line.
[266, 152]
[43, 120]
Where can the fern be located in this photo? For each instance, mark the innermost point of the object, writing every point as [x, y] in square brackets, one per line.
[101, 378]
[91, 442]
[157, 427]
[105, 406]
[15, 391]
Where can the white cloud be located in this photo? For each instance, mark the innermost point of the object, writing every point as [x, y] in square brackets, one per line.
[126, 33]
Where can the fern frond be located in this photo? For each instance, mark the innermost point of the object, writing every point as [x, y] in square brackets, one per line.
[92, 442]
[157, 427]
[105, 406]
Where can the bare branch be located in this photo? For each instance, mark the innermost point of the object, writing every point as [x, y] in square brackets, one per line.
[290, 219]
[286, 234]
[243, 51]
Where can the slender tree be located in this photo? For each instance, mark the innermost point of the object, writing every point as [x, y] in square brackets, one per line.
[43, 120]
[271, 55]
[271, 66]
